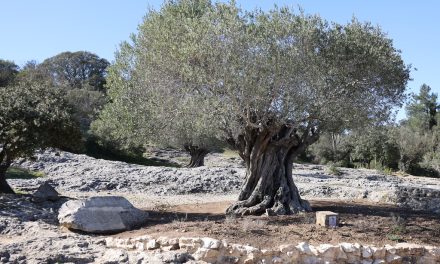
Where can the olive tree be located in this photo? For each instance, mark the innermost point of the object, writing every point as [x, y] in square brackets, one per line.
[271, 81]
[145, 108]
[31, 118]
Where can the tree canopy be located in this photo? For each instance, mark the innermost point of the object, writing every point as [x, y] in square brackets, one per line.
[422, 109]
[268, 83]
[8, 72]
[81, 77]
[79, 69]
[32, 117]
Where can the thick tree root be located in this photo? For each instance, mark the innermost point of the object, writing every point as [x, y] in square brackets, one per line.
[242, 208]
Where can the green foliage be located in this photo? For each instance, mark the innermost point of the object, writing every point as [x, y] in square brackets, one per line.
[8, 72]
[398, 228]
[81, 70]
[419, 138]
[198, 71]
[33, 117]
[332, 169]
[86, 104]
[81, 78]
[375, 146]
[333, 148]
[100, 149]
[19, 173]
[412, 147]
[422, 109]
[146, 106]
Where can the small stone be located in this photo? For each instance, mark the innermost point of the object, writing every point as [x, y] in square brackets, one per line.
[277, 260]
[45, 193]
[351, 248]
[250, 259]
[379, 253]
[286, 248]
[329, 252]
[190, 244]
[307, 249]
[367, 252]
[114, 256]
[208, 255]
[211, 243]
[394, 259]
[152, 244]
[140, 246]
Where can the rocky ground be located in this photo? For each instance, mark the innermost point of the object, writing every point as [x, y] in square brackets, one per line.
[29, 232]
[71, 173]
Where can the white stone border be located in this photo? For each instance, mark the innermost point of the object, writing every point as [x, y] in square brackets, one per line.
[204, 249]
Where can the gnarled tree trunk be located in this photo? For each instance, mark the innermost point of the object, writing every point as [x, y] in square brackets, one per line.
[197, 156]
[4, 186]
[269, 184]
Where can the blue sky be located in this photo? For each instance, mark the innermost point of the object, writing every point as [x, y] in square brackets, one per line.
[36, 30]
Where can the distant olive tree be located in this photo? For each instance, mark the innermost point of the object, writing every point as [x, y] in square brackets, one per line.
[31, 118]
[145, 108]
[269, 83]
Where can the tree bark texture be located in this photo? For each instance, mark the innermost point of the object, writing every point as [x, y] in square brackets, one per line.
[269, 186]
[4, 186]
[197, 156]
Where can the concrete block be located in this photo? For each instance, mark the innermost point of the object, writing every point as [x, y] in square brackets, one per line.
[327, 218]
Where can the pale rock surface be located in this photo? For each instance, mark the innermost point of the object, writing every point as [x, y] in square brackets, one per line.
[45, 193]
[114, 256]
[106, 214]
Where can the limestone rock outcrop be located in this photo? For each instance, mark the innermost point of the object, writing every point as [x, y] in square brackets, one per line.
[106, 214]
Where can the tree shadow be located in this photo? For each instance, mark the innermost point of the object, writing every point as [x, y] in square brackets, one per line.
[382, 210]
[166, 217]
[20, 207]
[317, 176]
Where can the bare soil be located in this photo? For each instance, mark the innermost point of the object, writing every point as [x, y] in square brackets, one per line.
[360, 222]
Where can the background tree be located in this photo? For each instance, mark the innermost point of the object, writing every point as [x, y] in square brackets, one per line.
[419, 134]
[375, 147]
[422, 109]
[8, 72]
[80, 70]
[32, 117]
[144, 108]
[81, 77]
[273, 81]
[31, 73]
[332, 147]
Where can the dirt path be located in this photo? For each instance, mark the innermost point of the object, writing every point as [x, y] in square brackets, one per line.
[361, 222]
